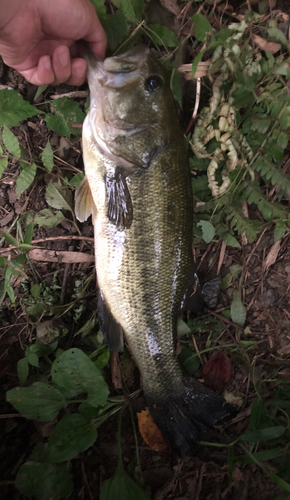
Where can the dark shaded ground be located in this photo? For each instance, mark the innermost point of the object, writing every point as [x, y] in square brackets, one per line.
[265, 296]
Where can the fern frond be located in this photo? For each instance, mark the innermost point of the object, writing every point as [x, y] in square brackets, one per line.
[240, 223]
[254, 194]
[273, 173]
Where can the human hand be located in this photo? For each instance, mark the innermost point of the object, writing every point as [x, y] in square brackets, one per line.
[38, 38]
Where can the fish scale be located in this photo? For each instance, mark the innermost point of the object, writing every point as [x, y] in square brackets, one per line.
[138, 182]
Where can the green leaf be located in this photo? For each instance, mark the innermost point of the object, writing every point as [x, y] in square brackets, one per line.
[13, 108]
[99, 7]
[35, 291]
[116, 29]
[126, 7]
[48, 218]
[59, 196]
[122, 487]
[37, 402]
[67, 112]
[47, 157]
[25, 179]
[262, 456]
[3, 165]
[138, 6]
[279, 230]
[44, 481]
[3, 261]
[74, 371]
[182, 328]
[231, 241]
[103, 358]
[195, 62]
[263, 434]
[77, 179]
[277, 35]
[36, 309]
[226, 281]
[32, 359]
[256, 414]
[208, 230]
[161, 35]
[238, 311]
[28, 234]
[11, 142]
[201, 27]
[73, 434]
[189, 360]
[22, 370]
[11, 240]
[236, 270]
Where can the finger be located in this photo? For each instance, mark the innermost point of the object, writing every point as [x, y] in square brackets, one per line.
[78, 73]
[97, 38]
[42, 74]
[61, 64]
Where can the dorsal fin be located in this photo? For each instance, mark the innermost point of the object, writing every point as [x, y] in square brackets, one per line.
[84, 203]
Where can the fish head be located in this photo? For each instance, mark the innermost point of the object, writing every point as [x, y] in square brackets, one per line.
[132, 113]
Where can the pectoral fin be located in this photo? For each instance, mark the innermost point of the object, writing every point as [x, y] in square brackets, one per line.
[84, 203]
[119, 203]
[110, 328]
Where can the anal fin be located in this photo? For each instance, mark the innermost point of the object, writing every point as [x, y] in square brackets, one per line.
[110, 327]
[84, 203]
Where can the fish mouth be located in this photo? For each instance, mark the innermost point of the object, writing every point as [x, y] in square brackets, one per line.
[120, 71]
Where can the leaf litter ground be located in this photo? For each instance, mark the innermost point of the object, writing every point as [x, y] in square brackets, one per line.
[260, 270]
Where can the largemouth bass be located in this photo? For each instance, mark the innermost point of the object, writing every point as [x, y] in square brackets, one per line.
[138, 190]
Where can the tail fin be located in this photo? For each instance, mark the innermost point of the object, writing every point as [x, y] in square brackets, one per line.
[184, 414]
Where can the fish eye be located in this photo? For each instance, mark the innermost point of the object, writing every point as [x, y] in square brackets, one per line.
[153, 82]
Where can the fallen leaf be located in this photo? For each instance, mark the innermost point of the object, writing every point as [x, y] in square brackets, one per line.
[150, 432]
[272, 255]
[201, 70]
[272, 47]
[60, 256]
[171, 6]
[232, 399]
[217, 370]
[284, 351]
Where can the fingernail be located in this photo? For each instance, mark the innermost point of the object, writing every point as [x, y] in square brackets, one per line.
[63, 56]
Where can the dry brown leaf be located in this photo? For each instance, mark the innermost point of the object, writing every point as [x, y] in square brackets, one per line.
[201, 70]
[172, 6]
[272, 255]
[284, 351]
[272, 47]
[150, 432]
[221, 257]
[60, 256]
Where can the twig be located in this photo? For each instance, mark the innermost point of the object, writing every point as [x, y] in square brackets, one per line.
[197, 100]
[73, 95]
[201, 473]
[254, 248]
[226, 320]
[196, 349]
[86, 481]
[221, 257]
[43, 240]
[132, 34]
